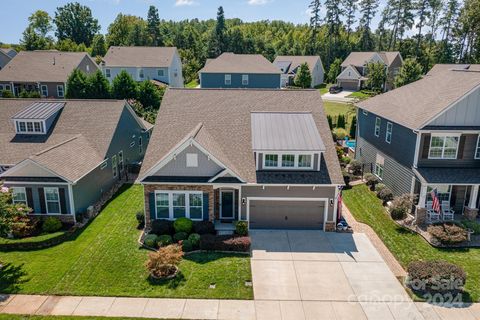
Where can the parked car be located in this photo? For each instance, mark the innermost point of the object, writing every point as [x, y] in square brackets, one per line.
[335, 89]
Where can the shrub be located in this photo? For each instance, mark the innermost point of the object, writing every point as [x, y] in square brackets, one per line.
[435, 276]
[187, 245]
[401, 205]
[160, 227]
[140, 215]
[379, 187]
[79, 217]
[224, 243]
[6, 94]
[164, 240]
[356, 167]
[24, 227]
[472, 225]
[194, 238]
[179, 236]
[345, 160]
[150, 240]
[51, 224]
[204, 227]
[241, 228]
[346, 178]
[370, 179]
[448, 233]
[385, 194]
[183, 225]
[164, 262]
[339, 133]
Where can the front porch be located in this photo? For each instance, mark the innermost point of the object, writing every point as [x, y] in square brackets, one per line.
[226, 208]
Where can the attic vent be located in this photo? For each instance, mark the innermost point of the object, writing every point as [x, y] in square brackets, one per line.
[37, 117]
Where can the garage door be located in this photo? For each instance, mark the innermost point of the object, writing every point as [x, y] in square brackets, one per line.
[349, 85]
[268, 214]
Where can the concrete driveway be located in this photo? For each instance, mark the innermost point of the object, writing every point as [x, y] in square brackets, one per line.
[329, 273]
[339, 97]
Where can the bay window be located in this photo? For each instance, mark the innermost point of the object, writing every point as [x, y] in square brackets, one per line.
[443, 146]
[178, 203]
[288, 161]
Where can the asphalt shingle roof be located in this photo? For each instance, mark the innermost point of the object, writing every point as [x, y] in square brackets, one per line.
[240, 63]
[358, 59]
[147, 57]
[449, 175]
[296, 61]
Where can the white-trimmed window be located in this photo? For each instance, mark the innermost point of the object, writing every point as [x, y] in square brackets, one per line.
[1, 87]
[288, 161]
[44, 90]
[477, 150]
[107, 73]
[114, 166]
[140, 145]
[379, 166]
[271, 161]
[32, 127]
[305, 161]
[175, 204]
[120, 160]
[60, 91]
[160, 72]
[7, 87]
[365, 112]
[192, 160]
[228, 79]
[245, 79]
[141, 74]
[19, 195]
[388, 134]
[104, 164]
[443, 146]
[52, 200]
[378, 122]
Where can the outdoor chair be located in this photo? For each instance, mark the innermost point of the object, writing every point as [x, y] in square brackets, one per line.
[447, 212]
[431, 214]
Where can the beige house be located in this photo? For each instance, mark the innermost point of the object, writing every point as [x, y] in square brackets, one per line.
[45, 71]
[289, 65]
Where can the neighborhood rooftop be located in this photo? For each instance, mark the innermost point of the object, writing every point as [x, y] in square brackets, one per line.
[147, 57]
[39, 110]
[360, 58]
[240, 63]
[293, 62]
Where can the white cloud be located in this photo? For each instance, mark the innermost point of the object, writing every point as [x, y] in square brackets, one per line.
[258, 2]
[179, 3]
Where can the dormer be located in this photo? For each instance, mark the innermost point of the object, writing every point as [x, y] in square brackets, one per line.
[286, 141]
[37, 117]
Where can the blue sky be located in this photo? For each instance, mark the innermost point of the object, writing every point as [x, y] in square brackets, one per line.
[14, 14]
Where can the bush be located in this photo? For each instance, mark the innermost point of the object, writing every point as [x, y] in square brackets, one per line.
[472, 225]
[164, 262]
[140, 215]
[356, 167]
[224, 243]
[164, 240]
[385, 194]
[6, 94]
[448, 233]
[347, 177]
[160, 227]
[204, 227]
[51, 225]
[371, 179]
[435, 277]
[194, 238]
[187, 245]
[79, 217]
[24, 227]
[339, 133]
[179, 236]
[150, 240]
[379, 187]
[401, 205]
[345, 160]
[183, 225]
[241, 228]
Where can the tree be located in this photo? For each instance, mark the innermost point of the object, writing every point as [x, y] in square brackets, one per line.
[97, 86]
[353, 128]
[303, 78]
[76, 22]
[368, 8]
[76, 85]
[334, 12]
[124, 87]
[99, 47]
[423, 13]
[330, 121]
[217, 39]
[410, 71]
[341, 123]
[376, 76]
[334, 71]
[148, 95]
[10, 213]
[350, 11]
[315, 20]
[35, 36]
[153, 26]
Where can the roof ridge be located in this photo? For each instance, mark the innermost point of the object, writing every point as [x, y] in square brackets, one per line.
[57, 145]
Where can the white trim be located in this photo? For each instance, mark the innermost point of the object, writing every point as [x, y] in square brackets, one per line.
[477, 149]
[444, 136]
[233, 203]
[46, 89]
[473, 196]
[36, 183]
[26, 162]
[63, 90]
[296, 155]
[170, 202]
[379, 126]
[245, 80]
[121, 164]
[24, 191]
[217, 185]
[114, 167]
[42, 131]
[47, 201]
[417, 148]
[387, 132]
[72, 202]
[134, 115]
[222, 174]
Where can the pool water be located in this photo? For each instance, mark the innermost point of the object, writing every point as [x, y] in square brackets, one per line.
[351, 144]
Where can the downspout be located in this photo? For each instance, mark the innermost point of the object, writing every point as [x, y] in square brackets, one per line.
[72, 203]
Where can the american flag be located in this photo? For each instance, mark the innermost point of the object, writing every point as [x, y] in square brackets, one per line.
[435, 200]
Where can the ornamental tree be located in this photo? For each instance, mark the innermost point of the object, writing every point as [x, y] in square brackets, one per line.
[10, 212]
[303, 78]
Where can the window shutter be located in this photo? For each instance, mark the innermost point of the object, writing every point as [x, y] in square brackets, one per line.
[151, 205]
[41, 195]
[205, 206]
[461, 147]
[30, 199]
[63, 202]
[426, 146]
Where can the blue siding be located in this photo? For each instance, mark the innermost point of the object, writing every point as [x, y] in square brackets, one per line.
[205, 206]
[36, 196]
[151, 203]
[217, 80]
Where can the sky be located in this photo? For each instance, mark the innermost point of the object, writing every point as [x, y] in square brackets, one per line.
[14, 14]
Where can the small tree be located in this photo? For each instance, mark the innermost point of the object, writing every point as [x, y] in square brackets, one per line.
[97, 86]
[376, 76]
[334, 71]
[10, 213]
[164, 262]
[353, 127]
[411, 71]
[330, 121]
[149, 95]
[124, 87]
[303, 78]
[341, 121]
[99, 47]
[76, 85]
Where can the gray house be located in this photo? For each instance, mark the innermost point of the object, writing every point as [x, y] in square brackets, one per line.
[45, 71]
[425, 135]
[264, 156]
[289, 66]
[354, 68]
[60, 157]
[5, 56]
[232, 70]
[161, 65]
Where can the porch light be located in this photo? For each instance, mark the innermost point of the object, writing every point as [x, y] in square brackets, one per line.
[331, 202]
[244, 201]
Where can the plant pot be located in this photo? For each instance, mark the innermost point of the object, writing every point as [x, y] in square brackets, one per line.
[166, 277]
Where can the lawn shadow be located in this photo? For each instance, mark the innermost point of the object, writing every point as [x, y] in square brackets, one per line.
[10, 278]
[209, 256]
[168, 283]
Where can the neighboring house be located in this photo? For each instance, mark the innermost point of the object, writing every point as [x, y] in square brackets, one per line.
[353, 74]
[61, 157]
[289, 65]
[45, 71]
[232, 70]
[425, 135]
[159, 64]
[264, 156]
[5, 56]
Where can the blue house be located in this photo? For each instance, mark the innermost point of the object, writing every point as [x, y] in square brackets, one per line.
[231, 70]
[61, 157]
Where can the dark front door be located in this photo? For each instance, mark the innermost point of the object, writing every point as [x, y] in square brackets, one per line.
[226, 204]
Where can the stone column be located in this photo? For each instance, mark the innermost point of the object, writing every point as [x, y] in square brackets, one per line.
[420, 215]
[422, 197]
[470, 212]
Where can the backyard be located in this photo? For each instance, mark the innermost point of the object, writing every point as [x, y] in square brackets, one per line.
[407, 246]
[334, 109]
[104, 259]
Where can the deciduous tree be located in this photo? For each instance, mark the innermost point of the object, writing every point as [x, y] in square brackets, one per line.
[76, 22]
[410, 71]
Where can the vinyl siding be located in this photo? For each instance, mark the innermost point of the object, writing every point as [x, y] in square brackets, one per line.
[36, 195]
[217, 80]
[92, 66]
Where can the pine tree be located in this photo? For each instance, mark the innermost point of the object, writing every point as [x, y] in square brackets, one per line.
[315, 20]
[353, 128]
[97, 86]
[124, 87]
[217, 39]
[303, 79]
[410, 71]
[368, 8]
[76, 85]
[350, 9]
[334, 12]
[330, 121]
[341, 121]
[153, 26]
[423, 13]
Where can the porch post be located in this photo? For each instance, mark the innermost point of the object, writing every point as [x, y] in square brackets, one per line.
[473, 197]
[422, 196]
[239, 200]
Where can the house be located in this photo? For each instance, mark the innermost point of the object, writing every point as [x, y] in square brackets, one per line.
[232, 70]
[264, 156]
[159, 64]
[45, 71]
[425, 136]
[61, 156]
[5, 56]
[289, 65]
[353, 73]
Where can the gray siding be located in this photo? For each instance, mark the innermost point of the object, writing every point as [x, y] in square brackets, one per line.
[88, 66]
[4, 59]
[217, 80]
[36, 196]
[134, 72]
[91, 187]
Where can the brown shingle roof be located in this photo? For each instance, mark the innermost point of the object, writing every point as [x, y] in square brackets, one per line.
[148, 57]
[41, 66]
[226, 115]
[240, 63]
[418, 102]
[359, 59]
[296, 61]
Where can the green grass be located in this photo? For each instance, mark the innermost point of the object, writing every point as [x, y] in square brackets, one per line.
[323, 88]
[335, 108]
[408, 246]
[362, 94]
[105, 260]
[39, 238]
[192, 84]
[22, 317]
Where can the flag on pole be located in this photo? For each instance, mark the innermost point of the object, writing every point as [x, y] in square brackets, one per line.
[435, 200]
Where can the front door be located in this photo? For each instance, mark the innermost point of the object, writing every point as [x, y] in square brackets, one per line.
[226, 204]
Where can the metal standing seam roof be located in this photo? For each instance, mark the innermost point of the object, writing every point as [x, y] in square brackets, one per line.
[39, 110]
[285, 131]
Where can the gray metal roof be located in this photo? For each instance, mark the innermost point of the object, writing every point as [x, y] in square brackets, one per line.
[285, 131]
[39, 110]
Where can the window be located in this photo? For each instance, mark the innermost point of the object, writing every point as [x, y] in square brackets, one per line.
[377, 126]
[379, 165]
[44, 89]
[288, 160]
[140, 74]
[87, 67]
[107, 73]
[140, 145]
[52, 200]
[477, 152]
[443, 192]
[228, 79]
[192, 160]
[305, 161]
[22, 127]
[271, 160]
[245, 79]
[120, 161]
[443, 147]
[132, 144]
[114, 166]
[365, 112]
[160, 72]
[7, 87]
[196, 206]
[19, 195]
[388, 134]
[163, 205]
[60, 91]
[104, 164]
[30, 127]
[1, 87]
[37, 126]
[176, 204]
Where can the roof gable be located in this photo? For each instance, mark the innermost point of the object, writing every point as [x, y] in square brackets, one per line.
[147, 57]
[296, 61]
[240, 63]
[350, 72]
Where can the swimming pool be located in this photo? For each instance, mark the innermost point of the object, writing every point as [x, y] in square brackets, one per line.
[351, 143]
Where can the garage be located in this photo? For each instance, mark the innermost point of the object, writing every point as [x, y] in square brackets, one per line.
[349, 84]
[286, 213]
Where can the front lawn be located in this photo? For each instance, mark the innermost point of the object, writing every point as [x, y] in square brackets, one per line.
[361, 95]
[105, 260]
[192, 84]
[324, 87]
[408, 246]
[40, 238]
